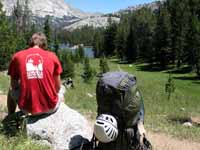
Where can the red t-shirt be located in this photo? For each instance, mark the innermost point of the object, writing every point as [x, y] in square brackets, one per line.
[36, 68]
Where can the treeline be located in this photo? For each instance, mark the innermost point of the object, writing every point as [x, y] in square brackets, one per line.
[167, 36]
[83, 35]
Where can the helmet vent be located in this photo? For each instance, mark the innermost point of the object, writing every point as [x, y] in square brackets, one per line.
[111, 132]
[100, 122]
[111, 119]
[107, 129]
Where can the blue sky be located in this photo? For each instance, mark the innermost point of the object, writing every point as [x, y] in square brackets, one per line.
[104, 6]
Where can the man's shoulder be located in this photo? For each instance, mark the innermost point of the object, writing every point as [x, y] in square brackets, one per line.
[51, 54]
[19, 53]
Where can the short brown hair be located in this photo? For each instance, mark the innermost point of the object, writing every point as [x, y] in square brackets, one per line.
[38, 39]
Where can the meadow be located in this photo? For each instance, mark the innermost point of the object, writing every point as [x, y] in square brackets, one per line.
[161, 114]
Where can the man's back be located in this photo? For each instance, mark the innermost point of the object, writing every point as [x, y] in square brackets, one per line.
[36, 68]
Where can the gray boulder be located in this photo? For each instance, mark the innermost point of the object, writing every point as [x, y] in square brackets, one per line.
[63, 130]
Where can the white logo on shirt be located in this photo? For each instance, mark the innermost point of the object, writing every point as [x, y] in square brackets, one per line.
[34, 66]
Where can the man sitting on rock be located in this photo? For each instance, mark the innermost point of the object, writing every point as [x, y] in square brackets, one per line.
[35, 79]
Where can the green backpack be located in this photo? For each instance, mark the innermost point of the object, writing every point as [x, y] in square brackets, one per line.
[118, 95]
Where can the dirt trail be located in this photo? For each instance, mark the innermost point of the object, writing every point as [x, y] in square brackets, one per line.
[3, 101]
[159, 141]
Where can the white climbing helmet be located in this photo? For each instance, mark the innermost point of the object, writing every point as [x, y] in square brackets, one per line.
[105, 128]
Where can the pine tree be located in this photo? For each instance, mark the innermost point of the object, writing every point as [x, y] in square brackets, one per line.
[193, 36]
[103, 64]
[56, 43]
[122, 34]
[81, 53]
[169, 86]
[89, 72]
[131, 46]
[162, 38]
[26, 17]
[28, 26]
[97, 44]
[18, 16]
[120, 40]
[109, 38]
[33, 29]
[179, 16]
[67, 65]
[20, 19]
[21, 24]
[48, 31]
[144, 26]
[77, 58]
[7, 40]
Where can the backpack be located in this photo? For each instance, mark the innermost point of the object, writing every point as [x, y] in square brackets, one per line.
[118, 95]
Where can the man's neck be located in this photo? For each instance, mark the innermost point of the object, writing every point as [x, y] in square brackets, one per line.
[36, 46]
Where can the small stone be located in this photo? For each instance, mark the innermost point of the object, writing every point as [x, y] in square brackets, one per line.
[182, 109]
[130, 65]
[195, 120]
[90, 95]
[187, 124]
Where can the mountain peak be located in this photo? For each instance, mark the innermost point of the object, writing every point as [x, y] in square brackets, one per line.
[42, 8]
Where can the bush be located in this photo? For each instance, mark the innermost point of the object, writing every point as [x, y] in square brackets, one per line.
[89, 72]
[170, 86]
[103, 65]
[67, 64]
[79, 55]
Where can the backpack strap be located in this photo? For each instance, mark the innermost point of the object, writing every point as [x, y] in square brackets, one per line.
[136, 138]
[141, 132]
[90, 145]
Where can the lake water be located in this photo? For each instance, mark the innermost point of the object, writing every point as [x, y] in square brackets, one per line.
[87, 50]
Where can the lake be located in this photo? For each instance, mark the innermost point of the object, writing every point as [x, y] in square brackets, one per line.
[88, 50]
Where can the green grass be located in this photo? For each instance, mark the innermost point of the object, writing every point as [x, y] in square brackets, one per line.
[4, 83]
[20, 143]
[161, 114]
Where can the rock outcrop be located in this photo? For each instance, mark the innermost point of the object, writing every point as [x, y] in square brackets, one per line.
[63, 130]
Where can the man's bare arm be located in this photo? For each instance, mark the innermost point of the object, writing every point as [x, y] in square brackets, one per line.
[14, 83]
[57, 83]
